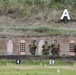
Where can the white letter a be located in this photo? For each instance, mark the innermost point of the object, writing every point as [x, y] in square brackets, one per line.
[65, 14]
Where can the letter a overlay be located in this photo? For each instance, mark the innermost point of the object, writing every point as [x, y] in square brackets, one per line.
[65, 14]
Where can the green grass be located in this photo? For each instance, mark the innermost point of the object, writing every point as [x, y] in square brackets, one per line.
[37, 30]
[21, 8]
[32, 70]
[33, 67]
[34, 11]
[37, 62]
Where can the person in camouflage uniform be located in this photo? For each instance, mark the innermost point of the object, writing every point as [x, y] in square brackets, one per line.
[46, 48]
[55, 48]
[32, 47]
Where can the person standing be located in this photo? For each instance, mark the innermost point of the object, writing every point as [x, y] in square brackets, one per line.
[46, 48]
[55, 48]
[33, 47]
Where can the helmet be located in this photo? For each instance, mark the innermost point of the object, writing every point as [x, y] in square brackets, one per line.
[46, 42]
[55, 40]
[34, 41]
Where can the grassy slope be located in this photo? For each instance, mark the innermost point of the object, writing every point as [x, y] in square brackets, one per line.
[36, 16]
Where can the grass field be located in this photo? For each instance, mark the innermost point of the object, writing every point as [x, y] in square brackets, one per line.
[31, 68]
[37, 70]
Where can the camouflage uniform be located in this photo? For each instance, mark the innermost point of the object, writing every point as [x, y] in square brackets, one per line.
[46, 48]
[55, 48]
[32, 48]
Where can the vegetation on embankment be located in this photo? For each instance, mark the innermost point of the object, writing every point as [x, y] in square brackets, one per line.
[36, 9]
[36, 30]
[38, 17]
